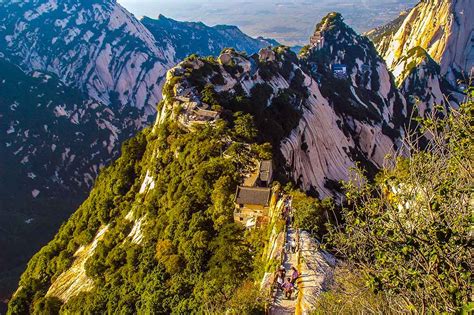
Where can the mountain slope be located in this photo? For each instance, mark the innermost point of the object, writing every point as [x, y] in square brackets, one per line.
[77, 78]
[444, 28]
[96, 46]
[156, 233]
[198, 38]
[54, 142]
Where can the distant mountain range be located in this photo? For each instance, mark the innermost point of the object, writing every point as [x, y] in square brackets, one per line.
[200, 39]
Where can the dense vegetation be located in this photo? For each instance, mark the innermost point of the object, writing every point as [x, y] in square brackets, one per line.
[407, 237]
[192, 257]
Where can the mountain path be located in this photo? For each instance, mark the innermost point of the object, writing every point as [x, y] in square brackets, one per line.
[282, 305]
[316, 269]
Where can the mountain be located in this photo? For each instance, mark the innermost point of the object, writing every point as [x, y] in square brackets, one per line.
[201, 39]
[365, 105]
[54, 142]
[77, 79]
[444, 28]
[95, 46]
[156, 234]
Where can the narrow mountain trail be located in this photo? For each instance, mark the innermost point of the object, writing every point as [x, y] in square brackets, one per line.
[282, 305]
[316, 269]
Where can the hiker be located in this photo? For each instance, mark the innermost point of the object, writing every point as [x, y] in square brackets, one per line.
[293, 246]
[280, 280]
[288, 287]
[282, 272]
[294, 275]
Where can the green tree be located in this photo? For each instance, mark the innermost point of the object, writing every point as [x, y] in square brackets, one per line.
[244, 127]
[410, 232]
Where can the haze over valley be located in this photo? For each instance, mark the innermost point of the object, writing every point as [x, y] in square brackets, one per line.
[290, 22]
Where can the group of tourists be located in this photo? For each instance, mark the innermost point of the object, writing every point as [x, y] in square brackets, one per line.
[287, 283]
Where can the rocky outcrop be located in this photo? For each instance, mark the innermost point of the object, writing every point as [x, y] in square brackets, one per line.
[444, 28]
[75, 280]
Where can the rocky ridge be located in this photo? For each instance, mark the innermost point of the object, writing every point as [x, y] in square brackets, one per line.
[201, 39]
[444, 28]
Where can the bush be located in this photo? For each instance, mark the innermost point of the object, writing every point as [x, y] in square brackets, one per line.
[410, 231]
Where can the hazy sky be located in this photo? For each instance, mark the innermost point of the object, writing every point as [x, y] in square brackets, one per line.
[288, 21]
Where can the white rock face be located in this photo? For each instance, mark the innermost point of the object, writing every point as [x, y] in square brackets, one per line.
[75, 280]
[111, 56]
[326, 156]
[444, 28]
[148, 183]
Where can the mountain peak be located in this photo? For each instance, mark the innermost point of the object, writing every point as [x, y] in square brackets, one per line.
[331, 20]
[333, 30]
[444, 28]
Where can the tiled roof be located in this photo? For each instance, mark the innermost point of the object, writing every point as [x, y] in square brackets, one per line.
[253, 196]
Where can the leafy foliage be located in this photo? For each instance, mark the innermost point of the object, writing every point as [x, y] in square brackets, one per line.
[312, 214]
[409, 233]
[191, 255]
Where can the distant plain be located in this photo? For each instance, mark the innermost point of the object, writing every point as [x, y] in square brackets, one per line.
[290, 22]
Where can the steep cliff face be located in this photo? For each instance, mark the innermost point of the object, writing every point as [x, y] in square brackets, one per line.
[356, 117]
[444, 28]
[96, 46]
